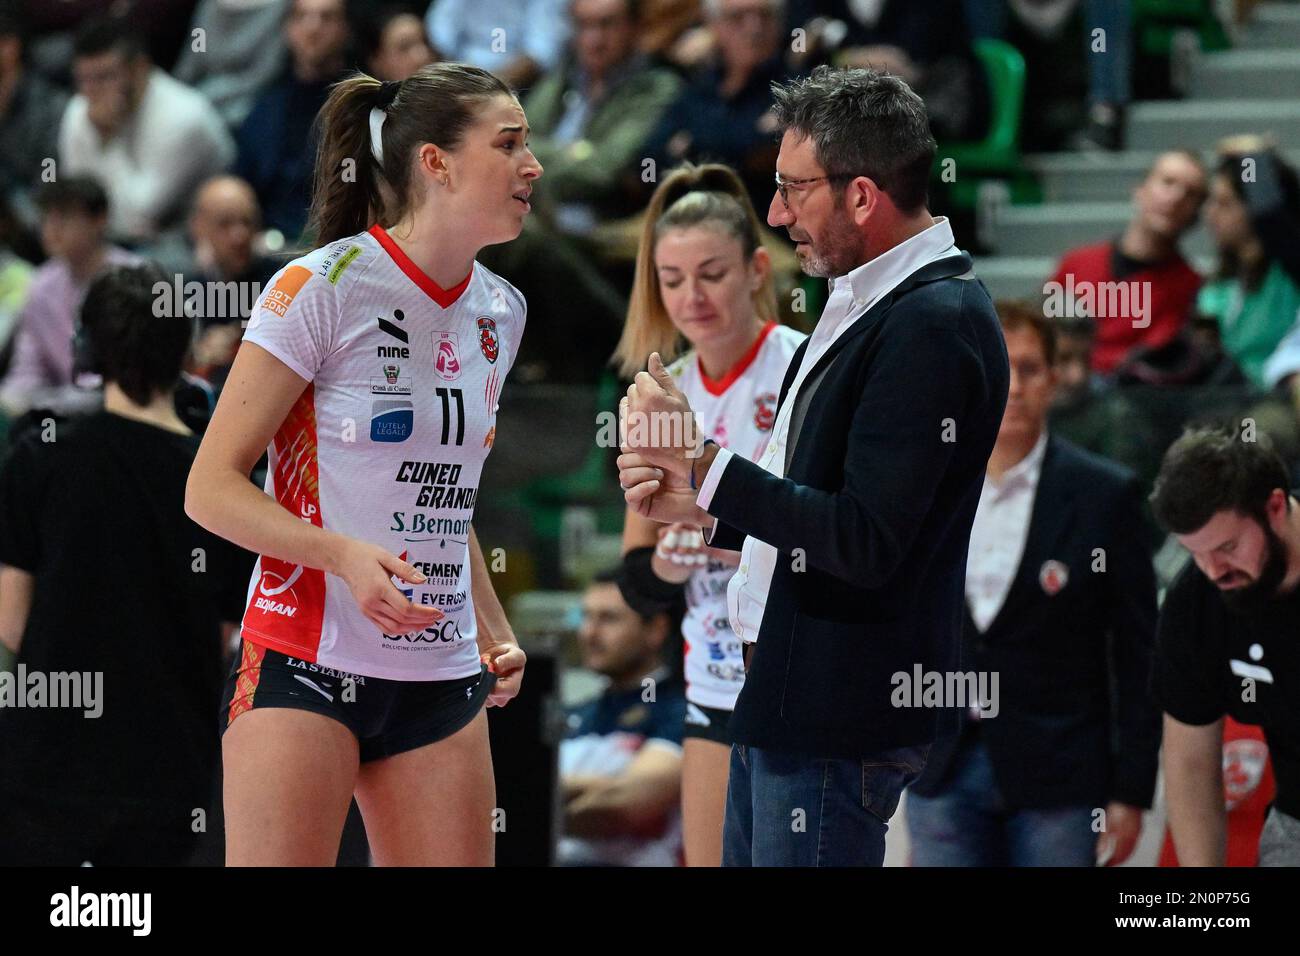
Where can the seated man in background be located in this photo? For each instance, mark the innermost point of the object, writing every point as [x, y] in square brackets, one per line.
[621, 763]
[223, 229]
[74, 219]
[530, 42]
[592, 117]
[277, 142]
[1143, 263]
[1104, 421]
[241, 53]
[724, 115]
[147, 138]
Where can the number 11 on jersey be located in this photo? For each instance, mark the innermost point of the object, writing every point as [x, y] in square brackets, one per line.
[447, 395]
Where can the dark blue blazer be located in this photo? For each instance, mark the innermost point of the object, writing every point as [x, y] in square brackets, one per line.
[1076, 725]
[872, 521]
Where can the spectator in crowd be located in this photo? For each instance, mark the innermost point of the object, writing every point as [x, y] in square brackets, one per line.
[277, 142]
[1226, 640]
[518, 40]
[1098, 419]
[115, 775]
[241, 52]
[74, 217]
[30, 108]
[724, 115]
[928, 46]
[1061, 606]
[223, 228]
[392, 43]
[1137, 287]
[148, 138]
[1051, 34]
[1254, 215]
[593, 117]
[15, 280]
[621, 760]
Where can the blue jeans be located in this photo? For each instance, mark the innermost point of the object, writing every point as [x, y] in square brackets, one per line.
[792, 810]
[968, 825]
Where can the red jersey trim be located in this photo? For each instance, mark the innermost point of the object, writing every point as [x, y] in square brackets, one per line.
[719, 386]
[444, 297]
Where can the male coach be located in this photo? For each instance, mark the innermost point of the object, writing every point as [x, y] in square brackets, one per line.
[855, 523]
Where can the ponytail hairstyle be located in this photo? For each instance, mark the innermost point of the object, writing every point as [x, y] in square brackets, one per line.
[713, 195]
[436, 104]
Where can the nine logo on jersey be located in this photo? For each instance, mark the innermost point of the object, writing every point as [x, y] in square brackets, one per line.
[487, 338]
[391, 421]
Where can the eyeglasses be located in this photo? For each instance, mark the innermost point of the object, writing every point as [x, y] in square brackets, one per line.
[783, 185]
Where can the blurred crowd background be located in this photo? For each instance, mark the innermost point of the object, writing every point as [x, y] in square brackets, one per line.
[1148, 144]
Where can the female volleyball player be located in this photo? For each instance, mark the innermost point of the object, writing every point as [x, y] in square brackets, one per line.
[372, 369]
[702, 276]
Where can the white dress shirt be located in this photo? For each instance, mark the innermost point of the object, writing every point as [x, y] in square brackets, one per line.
[850, 297]
[997, 538]
[150, 168]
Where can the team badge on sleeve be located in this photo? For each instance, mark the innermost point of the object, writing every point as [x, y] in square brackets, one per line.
[487, 338]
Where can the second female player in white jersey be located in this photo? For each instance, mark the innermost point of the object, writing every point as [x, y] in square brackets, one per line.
[702, 276]
[370, 374]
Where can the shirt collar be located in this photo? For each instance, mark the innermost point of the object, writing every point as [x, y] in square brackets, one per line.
[875, 279]
[1025, 471]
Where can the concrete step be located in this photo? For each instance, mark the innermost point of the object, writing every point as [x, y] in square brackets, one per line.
[1014, 277]
[1089, 177]
[1054, 227]
[1247, 74]
[1101, 177]
[1273, 26]
[1201, 123]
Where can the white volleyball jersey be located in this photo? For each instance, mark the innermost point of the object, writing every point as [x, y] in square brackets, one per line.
[385, 445]
[738, 413]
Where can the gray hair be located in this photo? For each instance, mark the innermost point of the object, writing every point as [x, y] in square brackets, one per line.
[862, 123]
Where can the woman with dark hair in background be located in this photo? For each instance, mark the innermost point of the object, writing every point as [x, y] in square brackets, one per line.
[392, 42]
[111, 593]
[704, 280]
[370, 374]
[1254, 215]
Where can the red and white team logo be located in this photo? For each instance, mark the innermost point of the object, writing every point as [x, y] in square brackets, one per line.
[1243, 768]
[1052, 577]
[487, 339]
[765, 411]
[446, 356]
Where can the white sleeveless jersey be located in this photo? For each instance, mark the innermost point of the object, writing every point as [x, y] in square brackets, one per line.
[385, 445]
[738, 413]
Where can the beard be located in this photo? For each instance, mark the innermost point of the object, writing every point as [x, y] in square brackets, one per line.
[839, 251]
[1257, 595]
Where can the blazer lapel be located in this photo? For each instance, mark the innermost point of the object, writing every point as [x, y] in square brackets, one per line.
[945, 268]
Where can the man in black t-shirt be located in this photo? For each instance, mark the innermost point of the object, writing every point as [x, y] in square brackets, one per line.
[113, 601]
[1228, 641]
